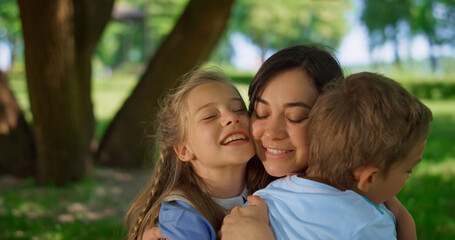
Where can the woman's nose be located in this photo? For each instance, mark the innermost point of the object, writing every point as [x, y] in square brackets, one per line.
[275, 129]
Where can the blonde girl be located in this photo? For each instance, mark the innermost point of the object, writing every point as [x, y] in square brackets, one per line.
[204, 148]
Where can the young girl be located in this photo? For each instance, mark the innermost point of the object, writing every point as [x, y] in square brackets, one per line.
[201, 172]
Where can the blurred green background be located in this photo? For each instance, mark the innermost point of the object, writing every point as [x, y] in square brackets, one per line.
[411, 41]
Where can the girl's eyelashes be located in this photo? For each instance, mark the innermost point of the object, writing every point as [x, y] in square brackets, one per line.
[238, 107]
[209, 116]
[240, 110]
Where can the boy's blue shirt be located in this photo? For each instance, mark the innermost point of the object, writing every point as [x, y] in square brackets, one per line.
[303, 209]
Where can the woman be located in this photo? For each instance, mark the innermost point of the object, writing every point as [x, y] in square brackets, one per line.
[281, 96]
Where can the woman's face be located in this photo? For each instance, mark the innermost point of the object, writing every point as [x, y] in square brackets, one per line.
[279, 122]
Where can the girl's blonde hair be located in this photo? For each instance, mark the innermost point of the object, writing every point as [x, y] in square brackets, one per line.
[171, 175]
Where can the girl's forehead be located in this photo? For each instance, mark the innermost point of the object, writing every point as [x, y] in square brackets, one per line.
[211, 92]
[212, 89]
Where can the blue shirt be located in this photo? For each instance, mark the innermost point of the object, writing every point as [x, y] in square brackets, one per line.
[179, 220]
[303, 209]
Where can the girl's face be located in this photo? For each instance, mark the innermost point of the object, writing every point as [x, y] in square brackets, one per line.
[217, 128]
[280, 120]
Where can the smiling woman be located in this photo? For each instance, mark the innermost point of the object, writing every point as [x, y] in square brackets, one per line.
[281, 96]
[284, 149]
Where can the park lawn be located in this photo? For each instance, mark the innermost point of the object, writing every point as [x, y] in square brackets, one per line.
[90, 209]
[84, 210]
[428, 194]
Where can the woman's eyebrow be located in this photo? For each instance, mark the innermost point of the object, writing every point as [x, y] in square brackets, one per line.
[262, 101]
[297, 104]
[291, 104]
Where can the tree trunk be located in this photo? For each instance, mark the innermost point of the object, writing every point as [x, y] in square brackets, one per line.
[17, 154]
[434, 62]
[59, 38]
[189, 44]
[396, 52]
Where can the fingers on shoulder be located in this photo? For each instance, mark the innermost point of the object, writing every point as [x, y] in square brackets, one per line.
[255, 200]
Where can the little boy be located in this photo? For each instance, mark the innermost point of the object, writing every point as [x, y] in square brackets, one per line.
[366, 134]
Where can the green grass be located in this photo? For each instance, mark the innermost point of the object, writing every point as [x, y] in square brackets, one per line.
[57, 213]
[28, 211]
[89, 209]
[428, 194]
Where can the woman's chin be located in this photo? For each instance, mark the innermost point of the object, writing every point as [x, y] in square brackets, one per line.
[275, 172]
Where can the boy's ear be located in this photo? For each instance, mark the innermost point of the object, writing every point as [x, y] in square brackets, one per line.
[365, 176]
[183, 152]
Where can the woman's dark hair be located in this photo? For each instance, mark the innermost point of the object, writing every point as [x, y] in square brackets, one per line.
[317, 60]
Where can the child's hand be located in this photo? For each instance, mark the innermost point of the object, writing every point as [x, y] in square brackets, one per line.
[406, 228]
[249, 222]
[153, 233]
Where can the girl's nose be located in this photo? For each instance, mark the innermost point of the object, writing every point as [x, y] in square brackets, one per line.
[231, 118]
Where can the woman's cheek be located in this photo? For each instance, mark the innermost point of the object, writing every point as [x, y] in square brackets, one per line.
[302, 143]
[256, 129]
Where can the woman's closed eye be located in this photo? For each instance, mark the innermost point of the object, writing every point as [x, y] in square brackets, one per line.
[296, 117]
[298, 120]
[260, 115]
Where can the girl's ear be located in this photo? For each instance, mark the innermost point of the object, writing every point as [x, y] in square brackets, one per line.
[365, 176]
[183, 152]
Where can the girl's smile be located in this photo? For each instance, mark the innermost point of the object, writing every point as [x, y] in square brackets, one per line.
[236, 138]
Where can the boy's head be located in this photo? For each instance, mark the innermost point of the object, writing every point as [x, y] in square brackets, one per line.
[366, 123]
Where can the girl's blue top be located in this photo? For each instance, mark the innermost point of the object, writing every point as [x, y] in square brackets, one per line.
[180, 221]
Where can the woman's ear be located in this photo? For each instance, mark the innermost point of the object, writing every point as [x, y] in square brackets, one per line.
[365, 177]
[183, 152]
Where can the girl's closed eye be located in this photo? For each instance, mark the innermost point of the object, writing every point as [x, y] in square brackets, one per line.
[240, 110]
[238, 107]
[209, 116]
